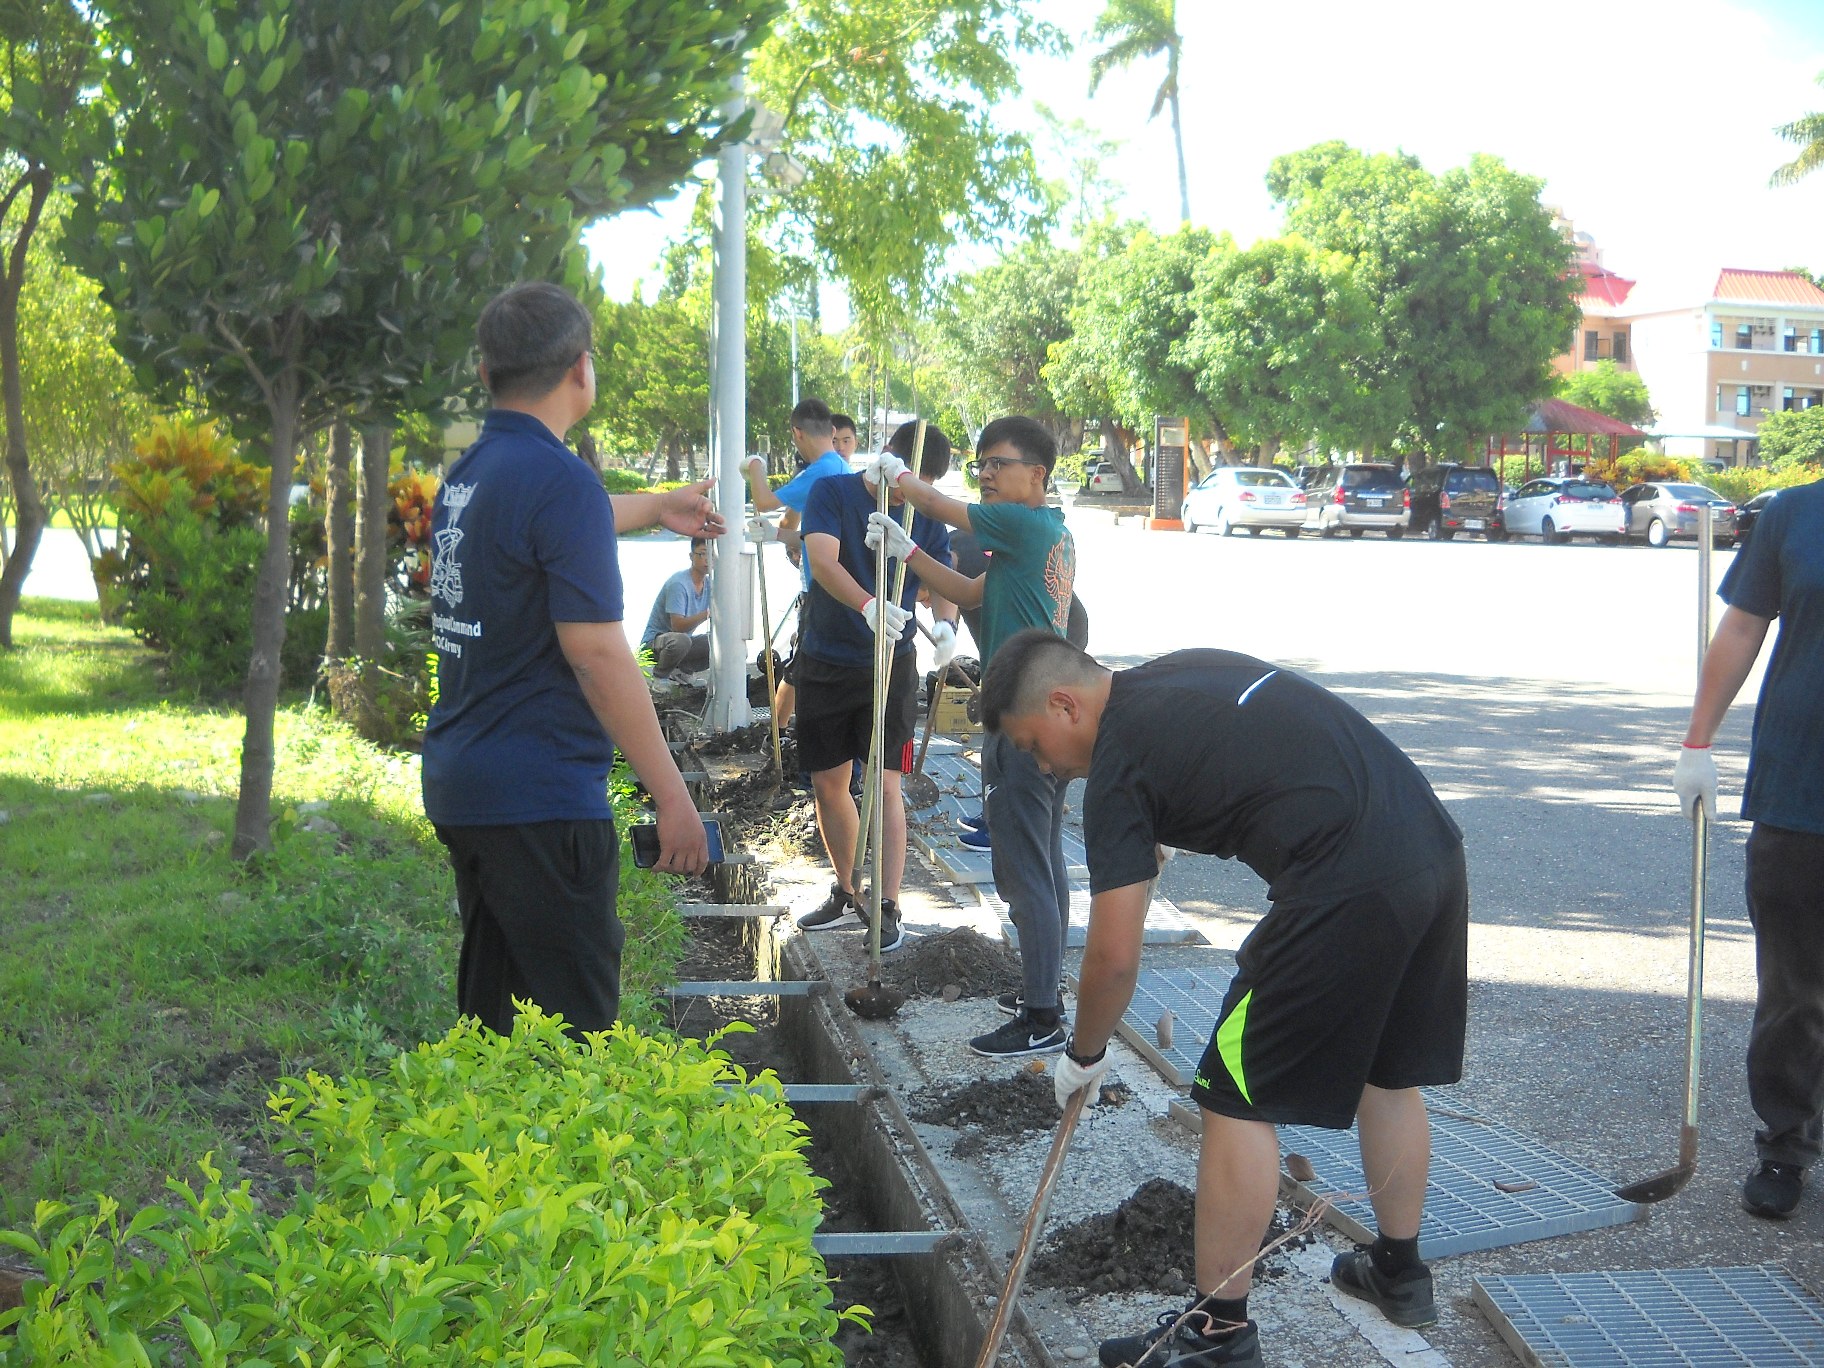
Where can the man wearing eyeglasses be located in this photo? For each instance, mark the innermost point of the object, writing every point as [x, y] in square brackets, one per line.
[1032, 566]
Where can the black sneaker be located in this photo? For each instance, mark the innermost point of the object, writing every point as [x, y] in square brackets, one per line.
[829, 912]
[1772, 1190]
[1019, 1037]
[892, 931]
[1015, 1002]
[1405, 1299]
[1185, 1339]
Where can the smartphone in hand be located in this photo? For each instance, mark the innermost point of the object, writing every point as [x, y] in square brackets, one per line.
[645, 836]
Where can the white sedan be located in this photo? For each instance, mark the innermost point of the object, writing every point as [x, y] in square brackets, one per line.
[1232, 497]
[1556, 508]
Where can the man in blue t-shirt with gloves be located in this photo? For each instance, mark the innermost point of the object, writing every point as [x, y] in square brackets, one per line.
[1780, 573]
[537, 682]
[836, 674]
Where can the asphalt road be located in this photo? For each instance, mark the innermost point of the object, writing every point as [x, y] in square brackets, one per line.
[1544, 691]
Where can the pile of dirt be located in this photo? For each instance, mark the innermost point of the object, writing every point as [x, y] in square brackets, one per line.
[1001, 1108]
[1146, 1244]
[962, 959]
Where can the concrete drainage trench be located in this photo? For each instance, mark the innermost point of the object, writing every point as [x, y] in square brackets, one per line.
[893, 1236]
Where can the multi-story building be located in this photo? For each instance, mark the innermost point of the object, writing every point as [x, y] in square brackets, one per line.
[1716, 367]
[1716, 358]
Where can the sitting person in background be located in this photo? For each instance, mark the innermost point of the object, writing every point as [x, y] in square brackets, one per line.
[680, 609]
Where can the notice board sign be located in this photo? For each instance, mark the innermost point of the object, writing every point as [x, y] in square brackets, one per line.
[1171, 462]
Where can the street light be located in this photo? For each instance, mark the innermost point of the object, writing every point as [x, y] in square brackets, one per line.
[727, 706]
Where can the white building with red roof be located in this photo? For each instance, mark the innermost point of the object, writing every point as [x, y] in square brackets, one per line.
[1718, 352]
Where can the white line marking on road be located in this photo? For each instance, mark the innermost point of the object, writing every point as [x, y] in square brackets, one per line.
[1406, 1348]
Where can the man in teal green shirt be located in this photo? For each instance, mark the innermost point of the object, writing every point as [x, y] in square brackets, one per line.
[1032, 563]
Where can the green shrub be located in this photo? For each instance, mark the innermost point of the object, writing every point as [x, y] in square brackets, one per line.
[487, 1200]
[619, 481]
[1742, 483]
[192, 520]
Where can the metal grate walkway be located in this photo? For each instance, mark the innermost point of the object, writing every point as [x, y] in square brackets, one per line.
[1714, 1317]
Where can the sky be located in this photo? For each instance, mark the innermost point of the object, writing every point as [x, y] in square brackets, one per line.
[1651, 121]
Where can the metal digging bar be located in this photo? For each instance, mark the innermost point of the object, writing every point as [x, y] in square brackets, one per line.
[1660, 1186]
[873, 1001]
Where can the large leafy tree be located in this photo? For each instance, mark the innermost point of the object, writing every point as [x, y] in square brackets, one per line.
[1285, 344]
[1127, 359]
[46, 59]
[304, 205]
[1807, 131]
[889, 106]
[1606, 388]
[79, 402]
[1139, 30]
[1473, 280]
[993, 335]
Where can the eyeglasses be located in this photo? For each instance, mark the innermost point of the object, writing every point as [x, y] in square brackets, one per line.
[993, 465]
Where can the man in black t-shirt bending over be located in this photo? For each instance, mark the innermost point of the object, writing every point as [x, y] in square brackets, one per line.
[1350, 994]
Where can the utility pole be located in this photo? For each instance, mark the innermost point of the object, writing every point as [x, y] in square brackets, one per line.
[728, 707]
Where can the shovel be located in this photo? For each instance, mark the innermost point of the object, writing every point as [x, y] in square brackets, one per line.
[875, 1001]
[1029, 1233]
[1660, 1186]
[772, 688]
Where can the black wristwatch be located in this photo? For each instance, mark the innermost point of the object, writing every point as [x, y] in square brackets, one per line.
[1070, 1053]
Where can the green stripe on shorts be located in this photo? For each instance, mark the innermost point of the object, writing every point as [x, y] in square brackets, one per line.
[1228, 1044]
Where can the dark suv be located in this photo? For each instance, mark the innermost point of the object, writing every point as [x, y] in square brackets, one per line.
[1448, 499]
[1354, 498]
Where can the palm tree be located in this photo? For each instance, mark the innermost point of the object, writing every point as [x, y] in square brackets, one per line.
[1140, 29]
[1808, 133]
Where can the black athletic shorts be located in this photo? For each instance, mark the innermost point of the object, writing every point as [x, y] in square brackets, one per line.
[1332, 995]
[538, 921]
[836, 712]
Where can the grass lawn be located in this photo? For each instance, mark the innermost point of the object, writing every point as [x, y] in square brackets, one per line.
[151, 989]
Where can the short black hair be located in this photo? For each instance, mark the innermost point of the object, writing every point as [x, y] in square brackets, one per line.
[695, 542]
[812, 418]
[841, 420]
[529, 336]
[1028, 436]
[1025, 668]
[934, 461]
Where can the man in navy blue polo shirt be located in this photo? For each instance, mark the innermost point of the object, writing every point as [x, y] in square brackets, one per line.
[1780, 573]
[537, 683]
[836, 675]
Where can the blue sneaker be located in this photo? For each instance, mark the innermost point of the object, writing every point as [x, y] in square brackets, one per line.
[979, 822]
[977, 840]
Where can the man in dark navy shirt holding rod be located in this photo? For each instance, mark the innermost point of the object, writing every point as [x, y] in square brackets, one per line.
[537, 683]
[1349, 995]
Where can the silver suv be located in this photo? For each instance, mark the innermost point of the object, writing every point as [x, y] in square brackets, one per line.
[1355, 498]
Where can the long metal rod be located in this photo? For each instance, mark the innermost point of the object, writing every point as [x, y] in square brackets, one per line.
[1029, 1233]
[1660, 1186]
[1700, 861]
[766, 654]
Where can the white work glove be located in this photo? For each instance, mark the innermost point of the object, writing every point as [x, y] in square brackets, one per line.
[886, 469]
[900, 545]
[943, 644]
[1072, 1076]
[1694, 780]
[762, 530]
[757, 464]
[896, 618]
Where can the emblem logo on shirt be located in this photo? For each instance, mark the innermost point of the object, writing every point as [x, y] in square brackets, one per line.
[446, 571]
[456, 498]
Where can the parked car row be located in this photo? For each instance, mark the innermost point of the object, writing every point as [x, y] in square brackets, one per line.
[1443, 500]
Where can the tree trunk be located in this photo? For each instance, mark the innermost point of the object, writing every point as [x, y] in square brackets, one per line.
[28, 505]
[372, 505]
[260, 698]
[1184, 187]
[585, 447]
[340, 519]
[672, 472]
[1120, 444]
